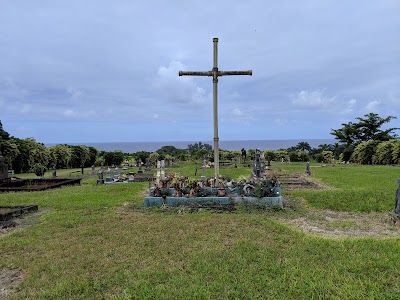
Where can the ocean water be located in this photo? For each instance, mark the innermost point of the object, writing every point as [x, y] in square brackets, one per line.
[131, 147]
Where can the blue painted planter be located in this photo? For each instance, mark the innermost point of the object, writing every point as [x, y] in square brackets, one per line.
[150, 201]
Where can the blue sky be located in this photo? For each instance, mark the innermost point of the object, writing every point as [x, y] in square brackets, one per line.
[107, 71]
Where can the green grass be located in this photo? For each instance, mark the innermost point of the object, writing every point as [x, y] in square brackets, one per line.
[356, 188]
[88, 247]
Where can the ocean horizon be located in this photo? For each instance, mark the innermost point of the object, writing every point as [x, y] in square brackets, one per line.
[132, 147]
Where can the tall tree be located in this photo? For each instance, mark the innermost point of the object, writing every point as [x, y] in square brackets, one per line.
[4, 135]
[367, 129]
[303, 146]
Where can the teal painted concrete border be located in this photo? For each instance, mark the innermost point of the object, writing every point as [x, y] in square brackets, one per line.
[176, 201]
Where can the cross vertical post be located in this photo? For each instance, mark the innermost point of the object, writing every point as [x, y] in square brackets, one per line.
[215, 108]
[214, 73]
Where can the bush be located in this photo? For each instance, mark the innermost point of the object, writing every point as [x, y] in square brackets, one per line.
[39, 170]
[384, 153]
[364, 152]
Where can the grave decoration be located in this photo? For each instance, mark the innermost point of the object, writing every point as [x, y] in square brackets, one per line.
[175, 190]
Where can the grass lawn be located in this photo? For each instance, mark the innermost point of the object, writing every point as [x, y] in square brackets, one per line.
[97, 242]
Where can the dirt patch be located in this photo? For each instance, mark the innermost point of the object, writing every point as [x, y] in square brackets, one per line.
[345, 224]
[292, 182]
[9, 278]
[23, 221]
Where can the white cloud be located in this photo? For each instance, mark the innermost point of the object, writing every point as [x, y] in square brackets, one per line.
[280, 122]
[237, 112]
[74, 93]
[314, 99]
[373, 105]
[350, 106]
[178, 89]
[71, 113]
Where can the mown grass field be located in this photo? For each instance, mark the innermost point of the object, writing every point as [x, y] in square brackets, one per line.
[96, 242]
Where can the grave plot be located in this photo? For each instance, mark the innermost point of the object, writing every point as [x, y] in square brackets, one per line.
[291, 182]
[31, 185]
[8, 213]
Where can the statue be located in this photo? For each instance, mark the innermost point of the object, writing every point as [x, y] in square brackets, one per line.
[244, 154]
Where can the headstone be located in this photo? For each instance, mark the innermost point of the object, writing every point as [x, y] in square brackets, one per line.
[397, 204]
[308, 172]
[93, 170]
[54, 171]
[3, 168]
[158, 173]
[162, 169]
[203, 167]
[140, 171]
[100, 180]
[257, 165]
[109, 177]
[116, 173]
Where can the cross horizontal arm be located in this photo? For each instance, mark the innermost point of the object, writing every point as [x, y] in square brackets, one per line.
[224, 73]
[195, 73]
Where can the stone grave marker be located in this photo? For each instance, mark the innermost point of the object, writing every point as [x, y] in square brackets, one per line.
[109, 177]
[308, 172]
[215, 73]
[397, 204]
[3, 169]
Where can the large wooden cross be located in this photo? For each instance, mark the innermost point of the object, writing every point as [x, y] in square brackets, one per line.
[214, 73]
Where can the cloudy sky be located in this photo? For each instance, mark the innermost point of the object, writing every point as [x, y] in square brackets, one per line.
[76, 71]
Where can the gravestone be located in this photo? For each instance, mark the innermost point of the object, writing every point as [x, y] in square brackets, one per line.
[93, 170]
[308, 172]
[258, 172]
[100, 180]
[158, 173]
[203, 167]
[397, 204]
[109, 177]
[162, 169]
[54, 171]
[116, 173]
[3, 168]
[140, 171]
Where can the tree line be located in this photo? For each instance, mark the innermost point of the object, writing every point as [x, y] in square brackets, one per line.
[363, 141]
